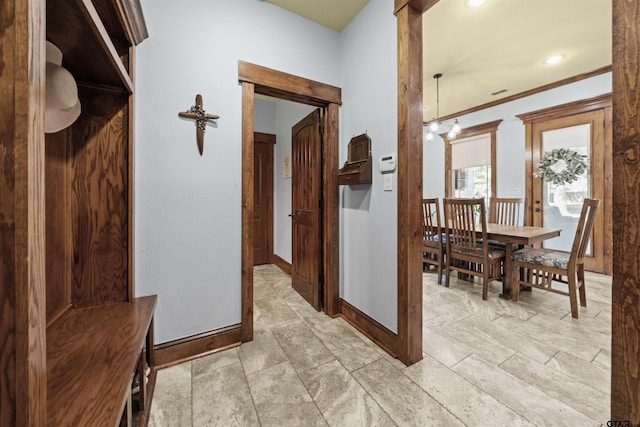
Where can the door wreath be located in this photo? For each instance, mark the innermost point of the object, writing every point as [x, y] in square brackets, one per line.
[561, 166]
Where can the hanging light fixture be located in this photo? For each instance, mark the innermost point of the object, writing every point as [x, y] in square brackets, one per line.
[434, 125]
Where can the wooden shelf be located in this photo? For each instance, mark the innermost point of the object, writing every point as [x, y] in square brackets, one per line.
[92, 354]
[89, 54]
[357, 168]
[355, 173]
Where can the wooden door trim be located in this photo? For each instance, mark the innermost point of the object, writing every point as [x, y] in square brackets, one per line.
[567, 109]
[268, 139]
[261, 80]
[538, 121]
[287, 86]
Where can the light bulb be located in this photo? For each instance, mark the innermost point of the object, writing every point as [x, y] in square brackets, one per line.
[434, 126]
[429, 136]
[452, 134]
[456, 127]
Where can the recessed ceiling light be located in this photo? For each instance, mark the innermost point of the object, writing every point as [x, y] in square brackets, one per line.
[553, 59]
[475, 3]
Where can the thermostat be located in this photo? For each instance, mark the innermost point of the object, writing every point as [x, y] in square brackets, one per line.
[388, 163]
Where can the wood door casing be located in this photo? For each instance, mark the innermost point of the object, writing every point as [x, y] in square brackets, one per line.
[263, 198]
[306, 195]
[599, 152]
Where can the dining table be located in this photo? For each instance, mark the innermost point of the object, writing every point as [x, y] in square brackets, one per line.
[516, 237]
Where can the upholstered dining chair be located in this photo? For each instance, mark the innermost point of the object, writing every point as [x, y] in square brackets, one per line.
[433, 245]
[468, 251]
[505, 211]
[542, 268]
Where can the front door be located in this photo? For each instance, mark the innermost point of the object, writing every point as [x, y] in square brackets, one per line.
[263, 197]
[559, 205]
[306, 203]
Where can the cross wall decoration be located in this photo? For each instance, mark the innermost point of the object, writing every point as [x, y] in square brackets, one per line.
[201, 117]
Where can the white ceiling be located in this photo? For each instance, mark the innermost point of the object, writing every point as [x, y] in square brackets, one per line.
[502, 45]
[499, 45]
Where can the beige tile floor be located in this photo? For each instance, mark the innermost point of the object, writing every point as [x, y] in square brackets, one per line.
[486, 363]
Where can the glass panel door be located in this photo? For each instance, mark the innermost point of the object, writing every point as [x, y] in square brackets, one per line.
[562, 203]
[559, 205]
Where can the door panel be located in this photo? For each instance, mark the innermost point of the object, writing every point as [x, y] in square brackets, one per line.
[559, 205]
[263, 201]
[306, 192]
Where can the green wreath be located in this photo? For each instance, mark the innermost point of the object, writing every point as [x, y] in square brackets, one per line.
[561, 166]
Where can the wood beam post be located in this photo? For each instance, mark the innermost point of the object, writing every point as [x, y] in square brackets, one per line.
[247, 211]
[625, 343]
[409, 22]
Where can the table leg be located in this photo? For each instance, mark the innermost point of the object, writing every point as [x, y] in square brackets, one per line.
[506, 280]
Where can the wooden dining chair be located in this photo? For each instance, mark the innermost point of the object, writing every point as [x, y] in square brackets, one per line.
[468, 251]
[433, 245]
[542, 268]
[505, 211]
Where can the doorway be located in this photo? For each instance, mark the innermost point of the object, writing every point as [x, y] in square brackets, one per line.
[581, 128]
[256, 79]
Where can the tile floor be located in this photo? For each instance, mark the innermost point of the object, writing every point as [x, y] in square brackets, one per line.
[491, 363]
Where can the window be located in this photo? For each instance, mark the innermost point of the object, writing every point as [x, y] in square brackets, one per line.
[470, 162]
[471, 166]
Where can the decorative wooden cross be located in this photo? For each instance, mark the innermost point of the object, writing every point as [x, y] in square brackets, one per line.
[197, 113]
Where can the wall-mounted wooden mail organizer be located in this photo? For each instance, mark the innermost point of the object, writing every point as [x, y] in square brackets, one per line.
[357, 168]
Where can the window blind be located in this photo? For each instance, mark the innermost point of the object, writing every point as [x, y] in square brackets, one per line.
[470, 152]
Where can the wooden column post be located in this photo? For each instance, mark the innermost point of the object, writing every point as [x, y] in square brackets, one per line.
[23, 376]
[247, 211]
[625, 346]
[409, 21]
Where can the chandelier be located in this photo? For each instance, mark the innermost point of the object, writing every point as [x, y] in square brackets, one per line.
[435, 124]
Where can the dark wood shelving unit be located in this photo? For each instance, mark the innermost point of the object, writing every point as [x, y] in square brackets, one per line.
[358, 168]
[89, 52]
[98, 336]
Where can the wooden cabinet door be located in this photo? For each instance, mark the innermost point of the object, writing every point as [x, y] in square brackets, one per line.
[306, 163]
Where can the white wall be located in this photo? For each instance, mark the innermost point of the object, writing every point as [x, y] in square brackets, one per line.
[368, 217]
[264, 116]
[188, 207]
[287, 114]
[510, 136]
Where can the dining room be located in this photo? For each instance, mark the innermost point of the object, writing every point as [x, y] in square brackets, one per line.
[547, 148]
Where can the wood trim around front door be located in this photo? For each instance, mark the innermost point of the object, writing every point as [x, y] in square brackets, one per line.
[256, 79]
[536, 121]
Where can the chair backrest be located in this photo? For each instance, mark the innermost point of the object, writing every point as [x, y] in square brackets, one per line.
[505, 211]
[431, 219]
[584, 229]
[461, 217]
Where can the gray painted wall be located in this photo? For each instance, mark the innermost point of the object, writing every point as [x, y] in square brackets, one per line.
[187, 207]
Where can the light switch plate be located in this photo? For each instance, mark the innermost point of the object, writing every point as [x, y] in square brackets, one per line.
[388, 182]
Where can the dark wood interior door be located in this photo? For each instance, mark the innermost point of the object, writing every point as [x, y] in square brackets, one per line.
[306, 203]
[263, 198]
